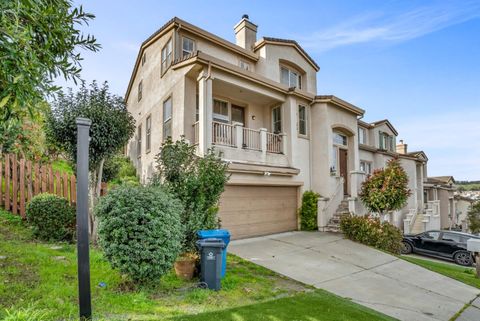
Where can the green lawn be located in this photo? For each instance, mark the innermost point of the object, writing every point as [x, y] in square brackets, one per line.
[40, 277]
[459, 273]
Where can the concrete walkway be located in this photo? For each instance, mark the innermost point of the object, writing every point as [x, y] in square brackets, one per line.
[369, 277]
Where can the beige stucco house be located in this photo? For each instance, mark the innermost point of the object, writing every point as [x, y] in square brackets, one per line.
[255, 101]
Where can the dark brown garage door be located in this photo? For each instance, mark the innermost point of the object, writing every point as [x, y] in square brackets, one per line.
[258, 210]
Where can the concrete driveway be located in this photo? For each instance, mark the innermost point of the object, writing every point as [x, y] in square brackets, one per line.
[369, 277]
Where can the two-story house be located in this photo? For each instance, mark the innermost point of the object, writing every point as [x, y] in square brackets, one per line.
[255, 101]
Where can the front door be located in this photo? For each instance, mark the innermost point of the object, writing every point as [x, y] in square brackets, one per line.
[343, 169]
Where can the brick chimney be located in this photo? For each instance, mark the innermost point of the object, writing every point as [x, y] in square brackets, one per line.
[402, 148]
[245, 33]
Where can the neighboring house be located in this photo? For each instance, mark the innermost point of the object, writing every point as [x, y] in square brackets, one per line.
[462, 206]
[256, 102]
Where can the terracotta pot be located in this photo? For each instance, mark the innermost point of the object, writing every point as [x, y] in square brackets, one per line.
[185, 267]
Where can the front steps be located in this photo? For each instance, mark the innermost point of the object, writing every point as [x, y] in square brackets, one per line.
[334, 223]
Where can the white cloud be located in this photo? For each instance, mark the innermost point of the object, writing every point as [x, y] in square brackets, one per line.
[387, 27]
[451, 141]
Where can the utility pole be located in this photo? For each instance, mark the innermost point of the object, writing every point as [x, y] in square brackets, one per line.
[85, 301]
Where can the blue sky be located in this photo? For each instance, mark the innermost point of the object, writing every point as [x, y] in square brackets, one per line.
[416, 63]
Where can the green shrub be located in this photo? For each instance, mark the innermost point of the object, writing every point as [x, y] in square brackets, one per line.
[51, 218]
[119, 169]
[196, 181]
[309, 210]
[140, 231]
[370, 231]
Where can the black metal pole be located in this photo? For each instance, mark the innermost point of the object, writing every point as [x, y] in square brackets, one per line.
[83, 129]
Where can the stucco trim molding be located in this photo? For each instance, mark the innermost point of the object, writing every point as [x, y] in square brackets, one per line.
[264, 170]
[331, 99]
[265, 183]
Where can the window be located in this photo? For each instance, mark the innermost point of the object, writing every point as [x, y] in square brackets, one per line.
[290, 78]
[339, 139]
[167, 118]
[220, 111]
[366, 167]
[431, 235]
[167, 55]
[139, 140]
[362, 135]
[238, 114]
[387, 142]
[333, 165]
[450, 237]
[144, 58]
[244, 65]
[188, 46]
[140, 89]
[277, 120]
[302, 120]
[148, 131]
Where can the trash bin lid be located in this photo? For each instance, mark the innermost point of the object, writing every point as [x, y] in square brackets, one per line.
[203, 234]
[210, 242]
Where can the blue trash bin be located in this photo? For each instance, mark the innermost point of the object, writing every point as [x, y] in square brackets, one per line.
[224, 235]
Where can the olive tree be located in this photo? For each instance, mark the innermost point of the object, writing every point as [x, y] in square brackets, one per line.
[112, 127]
[40, 40]
[386, 189]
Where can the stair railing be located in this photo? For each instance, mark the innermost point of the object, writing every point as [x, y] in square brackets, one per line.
[328, 214]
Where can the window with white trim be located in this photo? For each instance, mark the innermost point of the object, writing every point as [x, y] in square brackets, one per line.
[188, 46]
[362, 135]
[167, 118]
[386, 142]
[277, 119]
[148, 132]
[140, 90]
[366, 167]
[167, 55]
[290, 77]
[220, 111]
[302, 120]
[338, 141]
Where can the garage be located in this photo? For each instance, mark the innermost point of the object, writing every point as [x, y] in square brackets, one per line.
[249, 210]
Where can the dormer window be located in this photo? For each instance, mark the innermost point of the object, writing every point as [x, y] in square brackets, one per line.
[386, 142]
[188, 46]
[290, 77]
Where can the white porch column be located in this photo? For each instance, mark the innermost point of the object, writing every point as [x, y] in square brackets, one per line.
[205, 108]
[263, 141]
[238, 128]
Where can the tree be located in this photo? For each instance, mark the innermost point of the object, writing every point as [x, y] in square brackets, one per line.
[196, 181]
[386, 189]
[112, 127]
[39, 41]
[473, 217]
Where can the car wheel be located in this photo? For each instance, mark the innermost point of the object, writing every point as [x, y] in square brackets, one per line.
[463, 258]
[406, 248]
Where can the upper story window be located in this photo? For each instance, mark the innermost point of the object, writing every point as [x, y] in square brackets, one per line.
[277, 119]
[188, 46]
[140, 90]
[386, 142]
[290, 77]
[148, 133]
[144, 58]
[366, 167]
[167, 118]
[139, 140]
[362, 135]
[244, 65]
[167, 55]
[302, 120]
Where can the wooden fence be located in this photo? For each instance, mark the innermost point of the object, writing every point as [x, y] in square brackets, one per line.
[21, 179]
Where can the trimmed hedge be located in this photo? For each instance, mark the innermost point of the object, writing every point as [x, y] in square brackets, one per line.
[51, 217]
[140, 231]
[370, 231]
[309, 211]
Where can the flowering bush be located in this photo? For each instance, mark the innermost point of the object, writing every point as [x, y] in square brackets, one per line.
[370, 231]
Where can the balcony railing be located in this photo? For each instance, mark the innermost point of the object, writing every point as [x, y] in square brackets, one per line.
[251, 139]
[274, 143]
[223, 134]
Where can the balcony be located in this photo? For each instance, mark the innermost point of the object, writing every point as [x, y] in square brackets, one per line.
[246, 144]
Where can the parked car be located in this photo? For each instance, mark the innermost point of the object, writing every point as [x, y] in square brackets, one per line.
[448, 245]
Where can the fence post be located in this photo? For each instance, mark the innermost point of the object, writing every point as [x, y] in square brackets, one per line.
[1, 181]
[22, 188]
[14, 184]
[83, 128]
